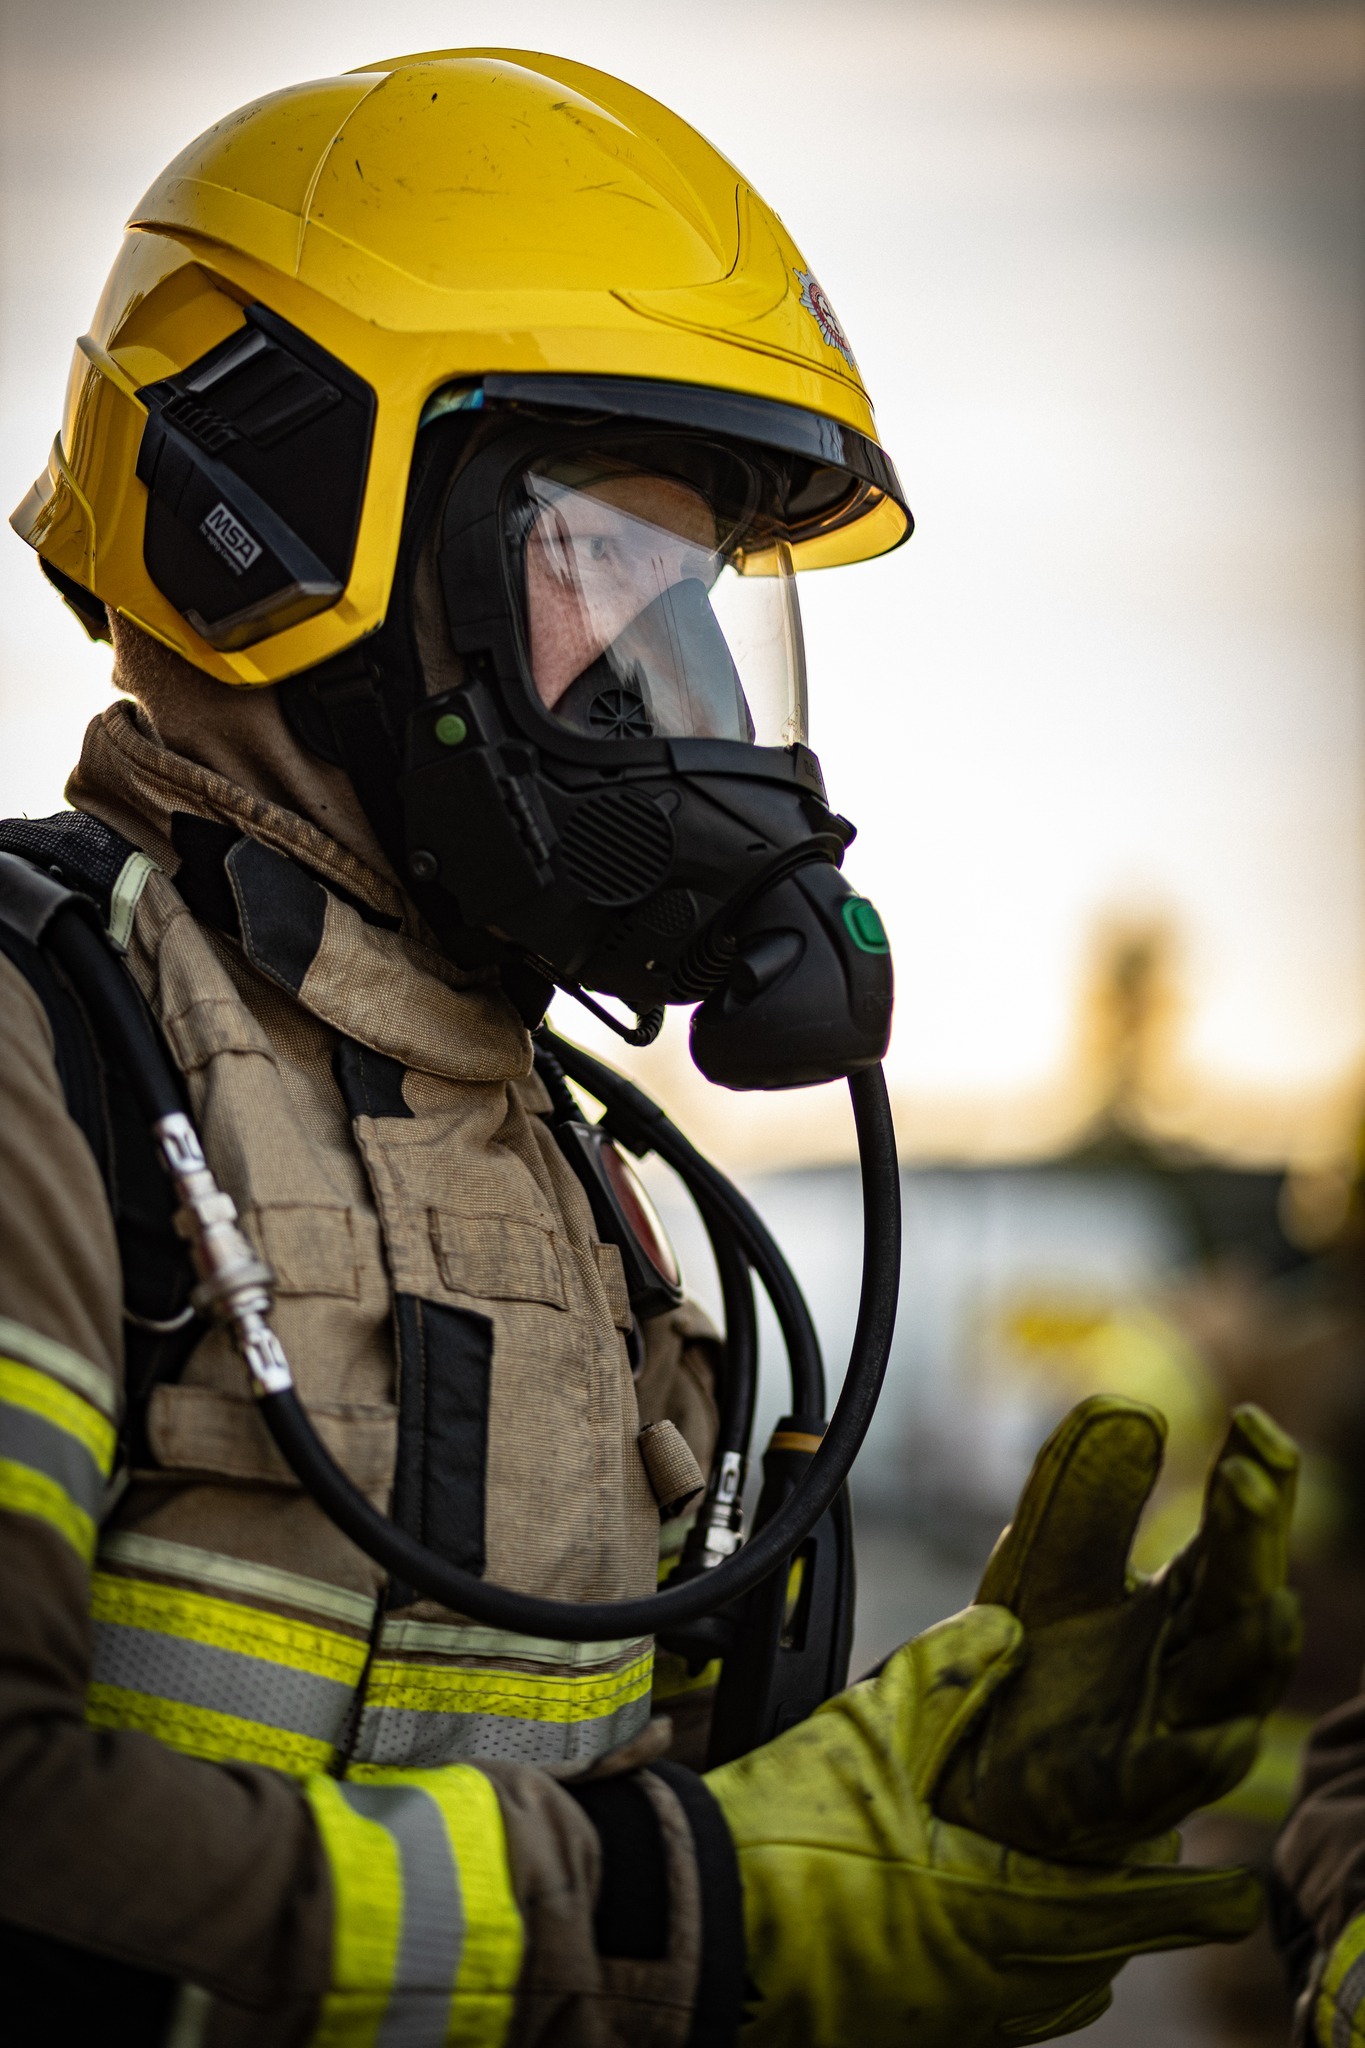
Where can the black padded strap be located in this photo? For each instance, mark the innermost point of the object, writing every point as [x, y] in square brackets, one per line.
[721, 1989]
[157, 1276]
[78, 849]
[632, 1902]
[78, 1064]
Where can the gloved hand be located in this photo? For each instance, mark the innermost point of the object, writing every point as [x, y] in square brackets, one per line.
[1136, 1701]
[870, 1922]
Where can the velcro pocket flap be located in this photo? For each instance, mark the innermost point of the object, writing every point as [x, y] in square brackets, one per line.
[310, 1246]
[611, 1272]
[203, 1429]
[498, 1258]
[210, 1026]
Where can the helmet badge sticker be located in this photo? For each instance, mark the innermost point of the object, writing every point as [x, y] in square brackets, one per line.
[818, 306]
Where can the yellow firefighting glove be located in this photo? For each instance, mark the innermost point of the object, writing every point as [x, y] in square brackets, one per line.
[1137, 1700]
[870, 1923]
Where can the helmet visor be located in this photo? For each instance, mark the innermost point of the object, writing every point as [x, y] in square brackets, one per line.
[658, 605]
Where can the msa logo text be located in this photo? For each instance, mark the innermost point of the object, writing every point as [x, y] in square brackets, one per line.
[224, 531]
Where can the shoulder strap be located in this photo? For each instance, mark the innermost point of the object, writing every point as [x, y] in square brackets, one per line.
[78, 1064]
[87, 855]
[161, 1329]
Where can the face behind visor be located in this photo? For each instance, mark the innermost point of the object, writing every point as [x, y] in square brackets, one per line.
[639, 621]
[618, 789]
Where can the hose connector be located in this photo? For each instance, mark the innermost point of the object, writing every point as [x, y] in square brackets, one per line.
[234, 1285]
[718, 1530]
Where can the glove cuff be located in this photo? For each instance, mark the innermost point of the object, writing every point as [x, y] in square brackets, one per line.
[633, 1902]
[721, 1981]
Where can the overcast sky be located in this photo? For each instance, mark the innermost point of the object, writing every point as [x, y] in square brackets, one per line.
[1102, 268]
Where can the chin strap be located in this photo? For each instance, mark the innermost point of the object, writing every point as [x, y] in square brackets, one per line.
[646, 1028]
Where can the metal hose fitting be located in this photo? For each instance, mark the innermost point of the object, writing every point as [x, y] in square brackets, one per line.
[234, 1285]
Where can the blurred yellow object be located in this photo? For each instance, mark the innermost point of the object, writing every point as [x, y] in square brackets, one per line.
[1126, 1348]
[427, 219]
[1058, 1349]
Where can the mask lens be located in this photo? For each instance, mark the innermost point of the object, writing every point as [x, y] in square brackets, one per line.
[645, 617]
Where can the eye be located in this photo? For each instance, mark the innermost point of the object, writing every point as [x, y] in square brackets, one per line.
[597, 548]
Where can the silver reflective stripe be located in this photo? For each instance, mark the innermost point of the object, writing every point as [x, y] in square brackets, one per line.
[463, 1639]
[126, 892]
[1349, 1993]
[431, 1932]
[29, 1348]
[225, 1681]
[30, 1440]
[234, 1575]
[413, 1740]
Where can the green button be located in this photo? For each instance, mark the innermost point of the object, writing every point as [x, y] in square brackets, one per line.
[450, 729]
[865, 928]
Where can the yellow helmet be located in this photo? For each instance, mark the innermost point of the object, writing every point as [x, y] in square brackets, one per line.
[336, 255]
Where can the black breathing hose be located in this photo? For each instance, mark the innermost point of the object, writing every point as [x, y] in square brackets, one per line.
[116, 1009]
[643, 1127]
[121, 1016]
[655, 1613]
[737, 1392]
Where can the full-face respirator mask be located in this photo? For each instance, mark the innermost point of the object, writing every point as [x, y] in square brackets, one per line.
[609, 787]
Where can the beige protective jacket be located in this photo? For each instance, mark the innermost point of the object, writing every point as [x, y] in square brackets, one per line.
[219, 1728]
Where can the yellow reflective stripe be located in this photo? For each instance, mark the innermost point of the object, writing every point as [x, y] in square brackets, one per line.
[218, 1680]
[56, 1451]
[426, 1936]
[515, 1695]
[367, 1906]
[39, 1394]
[26, 1492]
[18, 1341]
[493, 1936]
[225, 1625]
[1340, 2016]
[205, 1732]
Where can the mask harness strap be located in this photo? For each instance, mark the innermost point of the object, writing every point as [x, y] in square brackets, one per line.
[235, 1289]
[353, 703]
[646, 1028]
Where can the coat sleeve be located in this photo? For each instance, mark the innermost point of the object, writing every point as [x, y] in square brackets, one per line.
[1320, 1881]
[186, 1872]
[229, 1903]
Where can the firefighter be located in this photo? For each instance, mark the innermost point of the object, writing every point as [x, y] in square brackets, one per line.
[446, 444]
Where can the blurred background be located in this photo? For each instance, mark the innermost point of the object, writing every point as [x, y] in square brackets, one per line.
[1101, 724]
